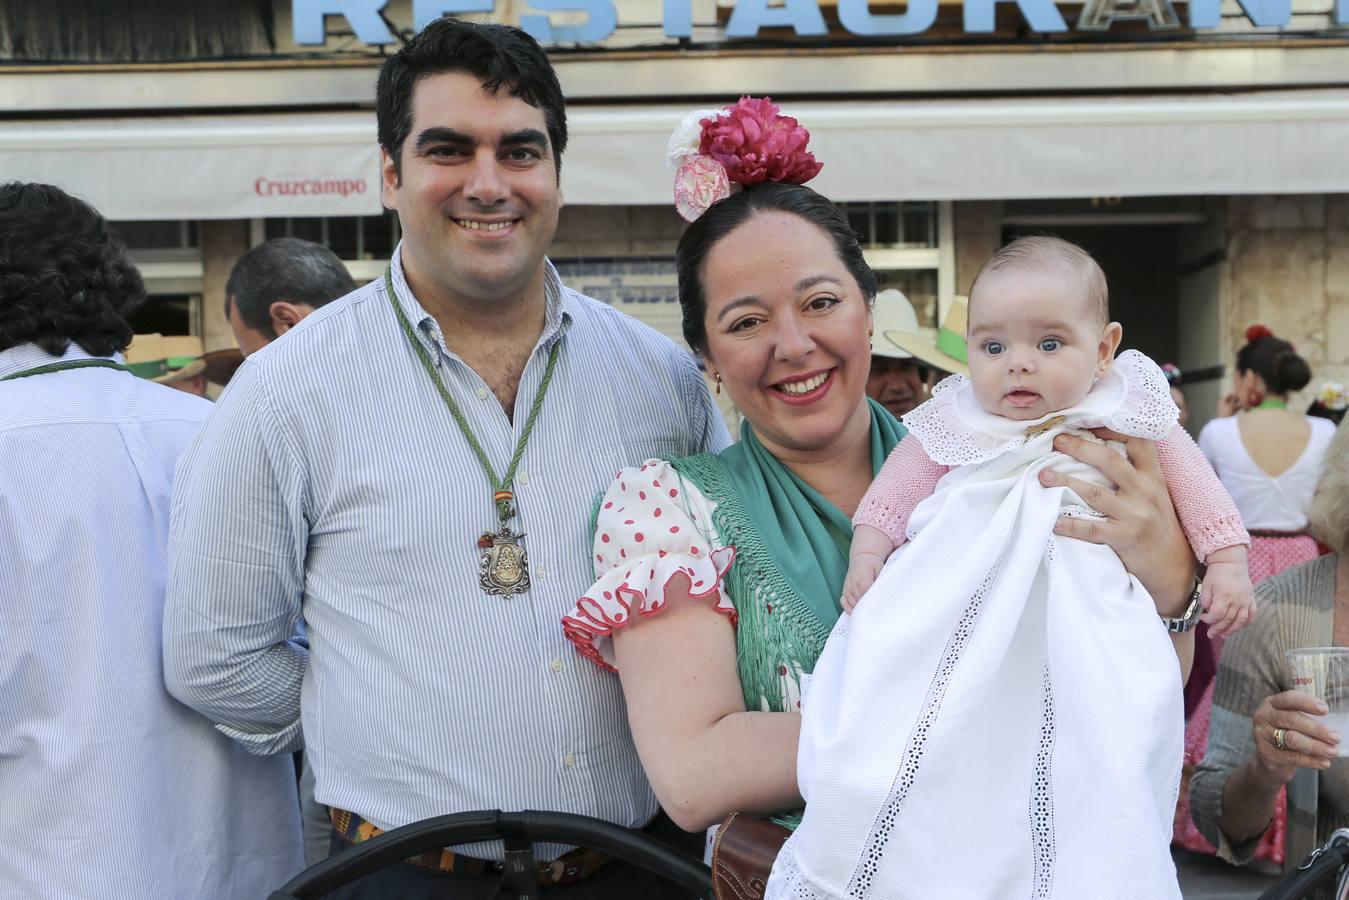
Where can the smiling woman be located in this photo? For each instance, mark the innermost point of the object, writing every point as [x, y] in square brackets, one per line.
[718, 578]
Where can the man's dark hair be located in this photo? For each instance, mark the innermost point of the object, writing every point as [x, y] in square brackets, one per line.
[497, 55]
[63, 276]
[289, 269]
[726, 215]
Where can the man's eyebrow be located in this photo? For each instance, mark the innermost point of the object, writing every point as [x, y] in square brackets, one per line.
[441, 135]
[525, 136]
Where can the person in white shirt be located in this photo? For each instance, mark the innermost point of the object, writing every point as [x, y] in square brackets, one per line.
[111, 787]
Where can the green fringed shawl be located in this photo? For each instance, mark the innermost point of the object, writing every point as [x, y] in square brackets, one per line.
[791, 556]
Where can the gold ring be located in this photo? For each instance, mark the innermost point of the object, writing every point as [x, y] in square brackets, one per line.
[1279, 743]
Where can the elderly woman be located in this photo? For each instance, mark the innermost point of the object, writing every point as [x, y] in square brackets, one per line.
[719, 577]
[1262, 731]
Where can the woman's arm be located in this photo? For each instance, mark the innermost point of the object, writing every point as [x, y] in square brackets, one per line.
[1140, 524]
[705, 755]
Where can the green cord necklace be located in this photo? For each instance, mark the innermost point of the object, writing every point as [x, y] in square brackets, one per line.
[63, 366]
[503, 568]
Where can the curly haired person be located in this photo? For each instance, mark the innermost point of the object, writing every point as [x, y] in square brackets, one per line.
[88, 733]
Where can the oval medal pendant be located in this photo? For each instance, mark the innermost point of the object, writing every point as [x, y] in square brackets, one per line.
[503, 567]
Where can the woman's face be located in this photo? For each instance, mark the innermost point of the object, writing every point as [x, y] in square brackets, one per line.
[788, 332]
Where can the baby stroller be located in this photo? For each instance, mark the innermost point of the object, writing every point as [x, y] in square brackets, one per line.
[519, 831]
[1323, 875]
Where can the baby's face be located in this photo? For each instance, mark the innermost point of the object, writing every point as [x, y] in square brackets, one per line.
[1035, 343]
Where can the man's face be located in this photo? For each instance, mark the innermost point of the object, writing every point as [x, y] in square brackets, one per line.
[250, 340]
[896, 384]
[478, 196]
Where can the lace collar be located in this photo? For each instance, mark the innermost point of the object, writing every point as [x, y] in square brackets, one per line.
[1134, 398]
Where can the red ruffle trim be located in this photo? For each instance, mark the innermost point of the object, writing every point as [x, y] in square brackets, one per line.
[589, 622]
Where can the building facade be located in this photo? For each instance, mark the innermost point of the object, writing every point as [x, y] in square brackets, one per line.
[1196, 149]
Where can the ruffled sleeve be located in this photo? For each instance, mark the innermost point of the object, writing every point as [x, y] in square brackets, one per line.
[652, 525]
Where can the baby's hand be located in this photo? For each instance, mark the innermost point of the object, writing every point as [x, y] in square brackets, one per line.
[1227, 595]
[862, 572]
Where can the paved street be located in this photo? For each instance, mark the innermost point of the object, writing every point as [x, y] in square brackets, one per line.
[1207, 878]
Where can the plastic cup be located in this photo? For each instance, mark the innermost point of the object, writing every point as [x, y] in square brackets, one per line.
[1323, 672]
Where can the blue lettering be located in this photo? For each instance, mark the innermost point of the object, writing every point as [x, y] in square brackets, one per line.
[751, 15]
[678, 18]
[1042, 15]
[857, 17]
[424, 12]
[602, 21]
[362, 15]
[1205, 13]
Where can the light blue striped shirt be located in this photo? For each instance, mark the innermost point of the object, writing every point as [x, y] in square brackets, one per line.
[331, 483]
[108, 786]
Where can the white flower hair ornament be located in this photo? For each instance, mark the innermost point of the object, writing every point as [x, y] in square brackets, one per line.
[717, 151]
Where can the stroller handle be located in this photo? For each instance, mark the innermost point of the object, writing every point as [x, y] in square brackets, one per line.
[528, 826]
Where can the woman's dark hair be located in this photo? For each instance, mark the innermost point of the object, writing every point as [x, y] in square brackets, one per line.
[1274, 360]
[497, 55]
[726, 215]
[63, 276]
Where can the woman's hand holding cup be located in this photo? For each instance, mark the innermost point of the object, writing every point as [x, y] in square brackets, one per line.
[1293, 717]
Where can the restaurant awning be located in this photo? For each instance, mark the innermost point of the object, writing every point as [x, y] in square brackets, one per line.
[214, 167]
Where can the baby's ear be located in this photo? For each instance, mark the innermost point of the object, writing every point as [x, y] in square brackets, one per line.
[1105, 354]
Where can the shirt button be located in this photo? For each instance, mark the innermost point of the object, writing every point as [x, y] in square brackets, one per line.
[557, 665]
[524, 478]
[540, 572]
[482, 393]
[569, 760]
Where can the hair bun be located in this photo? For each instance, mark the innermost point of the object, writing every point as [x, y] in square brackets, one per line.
[1256, 332]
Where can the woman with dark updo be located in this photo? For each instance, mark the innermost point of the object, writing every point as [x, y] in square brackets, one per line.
[1269, 458]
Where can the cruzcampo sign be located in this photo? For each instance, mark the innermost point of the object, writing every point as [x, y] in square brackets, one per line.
[803, 16]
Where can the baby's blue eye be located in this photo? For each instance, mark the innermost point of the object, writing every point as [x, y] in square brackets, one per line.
[992, 348]
[1049, 345]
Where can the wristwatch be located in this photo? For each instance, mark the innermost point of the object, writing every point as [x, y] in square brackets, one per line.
[1190, 618]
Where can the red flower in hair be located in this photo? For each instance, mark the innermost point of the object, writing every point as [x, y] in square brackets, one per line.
[756, 144]
[1256, 332]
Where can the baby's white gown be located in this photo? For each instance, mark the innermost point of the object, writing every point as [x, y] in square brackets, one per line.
[1001, 715]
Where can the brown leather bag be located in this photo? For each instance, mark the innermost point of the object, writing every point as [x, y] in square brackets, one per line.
[743, 855]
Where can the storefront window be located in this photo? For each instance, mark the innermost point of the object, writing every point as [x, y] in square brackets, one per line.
[156, 235]
[894, 225]
[350, 237]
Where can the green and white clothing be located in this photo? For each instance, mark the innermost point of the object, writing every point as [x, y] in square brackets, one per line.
[757, 543]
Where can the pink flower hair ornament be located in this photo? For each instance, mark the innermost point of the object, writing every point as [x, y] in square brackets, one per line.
[715, 152]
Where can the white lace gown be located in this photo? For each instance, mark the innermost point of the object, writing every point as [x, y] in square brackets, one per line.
[1001, 716]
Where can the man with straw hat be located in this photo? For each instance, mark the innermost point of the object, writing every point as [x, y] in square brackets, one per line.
[897, 379]
[943, 349]
[173, 361]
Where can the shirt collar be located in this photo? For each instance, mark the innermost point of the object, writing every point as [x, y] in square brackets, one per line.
[556, 320]
[30, 356]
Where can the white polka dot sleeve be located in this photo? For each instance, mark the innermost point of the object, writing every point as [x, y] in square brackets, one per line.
[652, 526]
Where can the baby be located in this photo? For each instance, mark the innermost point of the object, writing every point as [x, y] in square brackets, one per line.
[1000, 686]
[1039, 338]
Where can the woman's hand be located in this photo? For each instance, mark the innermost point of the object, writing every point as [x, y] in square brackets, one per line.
[1140, 524]
[1308, 743]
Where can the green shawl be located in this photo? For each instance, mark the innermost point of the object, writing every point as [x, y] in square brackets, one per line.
[791, 548]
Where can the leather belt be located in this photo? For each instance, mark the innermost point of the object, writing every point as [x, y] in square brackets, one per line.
[569, 868]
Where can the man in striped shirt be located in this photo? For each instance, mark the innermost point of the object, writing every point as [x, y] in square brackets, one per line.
[411, 472]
